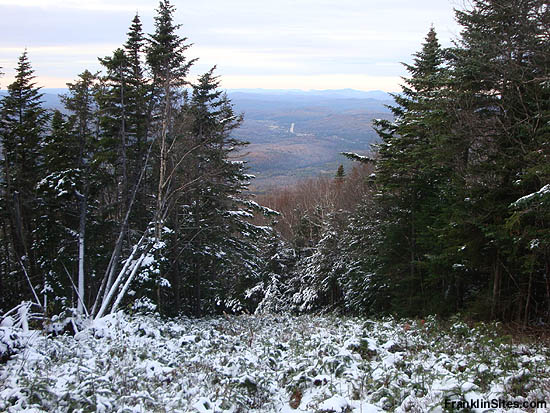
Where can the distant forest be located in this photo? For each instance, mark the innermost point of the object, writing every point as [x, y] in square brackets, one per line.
[135, 196]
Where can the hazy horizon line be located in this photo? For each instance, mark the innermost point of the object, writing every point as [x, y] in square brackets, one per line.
[251, 89]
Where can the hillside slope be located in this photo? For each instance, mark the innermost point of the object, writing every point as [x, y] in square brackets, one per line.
[295, 134]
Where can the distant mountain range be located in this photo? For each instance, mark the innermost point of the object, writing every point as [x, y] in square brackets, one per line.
[50, 97]
[294, 133]
[328, 93]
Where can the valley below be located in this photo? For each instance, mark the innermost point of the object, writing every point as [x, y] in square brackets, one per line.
[296, 135]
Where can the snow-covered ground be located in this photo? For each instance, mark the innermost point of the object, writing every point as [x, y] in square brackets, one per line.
[271, 363]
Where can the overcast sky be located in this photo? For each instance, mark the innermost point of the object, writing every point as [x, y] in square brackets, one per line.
[277, 44]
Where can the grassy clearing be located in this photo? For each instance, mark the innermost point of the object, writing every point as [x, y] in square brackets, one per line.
[272, 364]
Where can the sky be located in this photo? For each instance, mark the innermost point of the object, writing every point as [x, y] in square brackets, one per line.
[275, 44]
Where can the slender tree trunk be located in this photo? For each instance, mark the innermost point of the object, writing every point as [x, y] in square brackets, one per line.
[123, 144]
[81, 251]
[6, 269]
[163, 158]
[128, 282]
[496, 287]
[547, 279]
[111, 267]
[128, 266]
[527, 300]
[18, 225]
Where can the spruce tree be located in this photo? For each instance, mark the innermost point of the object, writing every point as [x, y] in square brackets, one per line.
[81, 103]
[217, 259]
[57, 246]
[501, 102]
[271, 293]
[138, 106]
[410, 175]
[125, 116]
[124, 105]
[166, 51]
[114, 123]
[317, 284]
[169, 67]
[365, 287]
[22, 131]
[340, 173]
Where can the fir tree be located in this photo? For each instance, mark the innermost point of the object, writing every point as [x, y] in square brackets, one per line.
[138, 107]
[169, 67]
[365, 289]
[340, 173]
[124, 121]
[21, 132]
[125, 115]
[317, 284]
[271, 294]
[58, 202]
[501, 103]
[218, 258]
[81, 102]
[410, 175]
[166, 51]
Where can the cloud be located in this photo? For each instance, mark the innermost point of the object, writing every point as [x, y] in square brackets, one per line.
[96, 5]
[63, 51]
[53, 65]
[246, 39]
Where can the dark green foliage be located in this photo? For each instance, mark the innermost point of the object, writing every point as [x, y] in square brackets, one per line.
[166, 51]
[364, 289]
[138, 107]
[57, 245]
[124, 103]
[460, 152]
[410, 176]
[145, 168]
[216, 256]
[22, 129]
[136, 164]
[457, 216]
[340, 173]
[502, 60]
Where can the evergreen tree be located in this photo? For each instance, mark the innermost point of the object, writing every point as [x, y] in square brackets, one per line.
[271, 294]
[81, 102]
[57, 246]
[138, 109]
[340, 173]
[125, 109]
[410, 175]
[114, 123]
[469, 141]
[166, 51]
[217, 258]
[125, 116]
[169, 67]
[22, 128]
[90, 170]
[501, 102]
[318, 281]
[364, 287]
